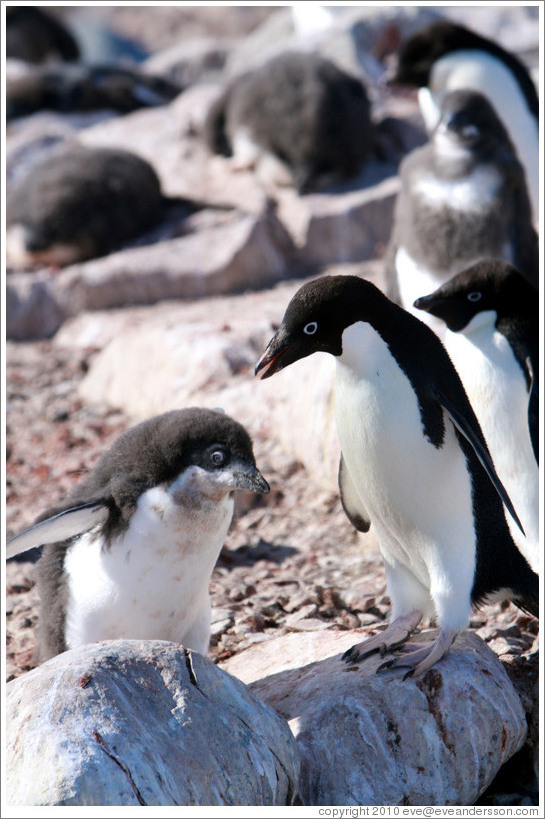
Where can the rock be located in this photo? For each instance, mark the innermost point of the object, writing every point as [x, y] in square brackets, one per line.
[142, 723]
[32, 310]
[374, 739]
[246, 253]
[201, 59]
[353, 226]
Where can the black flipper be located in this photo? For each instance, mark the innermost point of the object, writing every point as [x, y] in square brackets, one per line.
[478, 445]
[350, 500]
[60, 527]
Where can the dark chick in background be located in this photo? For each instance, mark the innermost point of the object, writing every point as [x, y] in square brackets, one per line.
[299, 117]
[130, 552]
[414, 463]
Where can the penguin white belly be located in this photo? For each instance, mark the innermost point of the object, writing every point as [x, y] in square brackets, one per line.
[497, 390]
[480, 71]
[415, 280]
[472, 193]
[417, 496]
[153, 581]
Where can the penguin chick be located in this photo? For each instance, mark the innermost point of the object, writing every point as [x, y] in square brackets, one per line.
[35, 36]
[131, 551]
[492, 337]
[462, 198]
[445, 57]
[78, 203]
[300, 109]
[71, 88]
[414, 463]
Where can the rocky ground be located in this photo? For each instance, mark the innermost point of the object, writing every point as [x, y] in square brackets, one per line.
[292, 561]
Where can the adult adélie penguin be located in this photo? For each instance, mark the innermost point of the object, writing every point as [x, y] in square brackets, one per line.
[491, 314]
[414, 463]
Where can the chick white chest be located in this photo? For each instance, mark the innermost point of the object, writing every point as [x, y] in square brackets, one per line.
[152, 581]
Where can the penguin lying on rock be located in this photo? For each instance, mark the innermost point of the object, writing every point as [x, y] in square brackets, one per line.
[131, 551]
[78, 88]
[79, 203]
[492, 318]
[414, 463]
[297, 109]
[463, 198]
[446, 57]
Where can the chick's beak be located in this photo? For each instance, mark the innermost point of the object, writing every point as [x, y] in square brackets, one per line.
[248, 476]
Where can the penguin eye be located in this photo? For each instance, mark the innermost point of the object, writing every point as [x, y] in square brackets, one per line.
[218, 457]
[474, 296]
[470, 131]
[310, 328]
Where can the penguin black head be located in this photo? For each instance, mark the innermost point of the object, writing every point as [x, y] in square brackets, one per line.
[469, 121]
[316, 318]
[489, 285]
[419, 53]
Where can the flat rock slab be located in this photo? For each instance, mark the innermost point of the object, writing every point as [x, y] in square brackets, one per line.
[375, 739]
[134, 722]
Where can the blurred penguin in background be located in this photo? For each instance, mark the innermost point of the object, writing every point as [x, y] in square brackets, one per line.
[463, 198]
[296, 119]
[444, 57]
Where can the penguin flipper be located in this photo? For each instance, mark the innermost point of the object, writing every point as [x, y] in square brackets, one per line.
[60, 527]
[478, 444]
[350, 500]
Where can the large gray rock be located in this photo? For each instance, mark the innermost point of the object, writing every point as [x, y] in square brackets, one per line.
[248, 252]
[374, 739]
[142, 723]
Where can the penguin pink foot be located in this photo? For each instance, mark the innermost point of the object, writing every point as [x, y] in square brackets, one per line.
[418, 657]
[397, 633]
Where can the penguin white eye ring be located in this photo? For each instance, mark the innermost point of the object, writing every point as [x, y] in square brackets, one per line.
[218, 457]
[475, 295]
[310, 328]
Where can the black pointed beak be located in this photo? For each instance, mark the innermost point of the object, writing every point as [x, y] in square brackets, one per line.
[248, 476]
[430, 304]
[274, 358]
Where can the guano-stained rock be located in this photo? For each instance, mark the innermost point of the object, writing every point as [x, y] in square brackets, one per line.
[375, 739]
[142, 723]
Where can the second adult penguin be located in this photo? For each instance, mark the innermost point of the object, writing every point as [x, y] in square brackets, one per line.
[492, 337]
[414, 462]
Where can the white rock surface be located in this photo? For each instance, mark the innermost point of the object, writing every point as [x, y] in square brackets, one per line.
[142, 723]
[204, 354]
[374, 739]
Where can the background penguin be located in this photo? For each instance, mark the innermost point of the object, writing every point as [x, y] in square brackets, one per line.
[414, 462]
[131, 551]
[445, 57]
[78, 203]
[492, 316]
[462, 198]
[300, 109]
[34, 35]
[79, 87]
